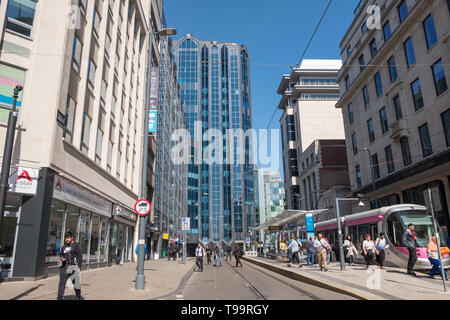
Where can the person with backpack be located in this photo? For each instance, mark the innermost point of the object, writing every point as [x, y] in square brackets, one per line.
[72, 259]
[380, 245]
[218, 255]
[208, 255]
[238, 253]
[369, 252]
[321, 246]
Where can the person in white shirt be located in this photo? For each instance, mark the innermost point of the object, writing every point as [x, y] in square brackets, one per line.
[294, 252]
[369, 251]
[380, 245]
[199, 255]
[321, 246]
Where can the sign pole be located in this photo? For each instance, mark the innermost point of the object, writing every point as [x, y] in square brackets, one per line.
[438, 239]
[184, 246]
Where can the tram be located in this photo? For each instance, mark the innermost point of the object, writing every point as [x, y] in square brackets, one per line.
[393, 221]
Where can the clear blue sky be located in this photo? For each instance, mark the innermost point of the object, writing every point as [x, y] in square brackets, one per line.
[275, 33]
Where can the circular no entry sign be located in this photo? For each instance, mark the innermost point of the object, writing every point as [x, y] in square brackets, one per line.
[142, 207]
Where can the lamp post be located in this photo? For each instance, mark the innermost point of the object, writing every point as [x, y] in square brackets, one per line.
[7, 155]
[140, 277]
[373, 176]
[341, 249]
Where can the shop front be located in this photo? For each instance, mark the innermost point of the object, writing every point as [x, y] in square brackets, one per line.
[121, 248]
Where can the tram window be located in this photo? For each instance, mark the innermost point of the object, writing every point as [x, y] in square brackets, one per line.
[424, 228]
[395, 231]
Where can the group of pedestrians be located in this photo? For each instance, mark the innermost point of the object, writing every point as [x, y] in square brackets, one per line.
[201, 253]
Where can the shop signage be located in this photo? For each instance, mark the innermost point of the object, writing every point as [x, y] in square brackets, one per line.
[165, 236]
[154, 91]
[142, 207]
[152, 120]
[309, 223]
[275, 228]
[70, 193]
[23, 180]
[118, 211]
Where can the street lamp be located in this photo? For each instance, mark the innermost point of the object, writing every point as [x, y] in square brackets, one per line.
[338, 217]
[373, 175]
[140, 277]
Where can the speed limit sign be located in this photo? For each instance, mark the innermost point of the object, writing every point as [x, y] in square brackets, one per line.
[142, 207]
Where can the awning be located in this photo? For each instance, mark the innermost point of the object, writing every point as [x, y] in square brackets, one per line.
[286, 217]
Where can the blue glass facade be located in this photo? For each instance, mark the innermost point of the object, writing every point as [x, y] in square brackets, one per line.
[215, 90]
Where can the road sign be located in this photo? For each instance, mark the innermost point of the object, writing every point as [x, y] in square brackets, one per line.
[142, 207]
[247, 240]
[205, 239]
[185, 223]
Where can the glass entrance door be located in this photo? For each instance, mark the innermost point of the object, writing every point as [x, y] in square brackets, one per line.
[8, 233]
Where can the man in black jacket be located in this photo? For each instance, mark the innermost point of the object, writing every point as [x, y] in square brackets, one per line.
[71, 258]
[238, 253]
[409, 241]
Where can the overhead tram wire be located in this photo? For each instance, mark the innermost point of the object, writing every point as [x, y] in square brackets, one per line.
[299, 62]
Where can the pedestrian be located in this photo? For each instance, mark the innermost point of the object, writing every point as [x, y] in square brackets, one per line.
[409, 241]
[321, 246]
[293, 246]
[71, 261]
[238, 253]
[217, 255]
[332, 253]
[199, 255]
[310, 251]
[174, 251]
[208, 255]
[228, 253]
[258, 249]
[169, 251]
[433, 257]
[283, 249]
[380, 245]
[352, 251]
[328, 250]
[369, 252]
[347, 242]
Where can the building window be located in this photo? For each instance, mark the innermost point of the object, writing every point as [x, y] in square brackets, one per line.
[397, 108]
[96, 23]
[417, 94]
[440, 83]
[384, 120]
[70, 119]
[91, 74]
[387, 31]
[20, 16]
[347, 82]
[354, 144]
[389, 159]
[350, 114]
[402, 11]
[373, 48]
[378, 84]
[409, 52]
[425, 140]
[364, 27]
[293, 163]
[370, 130]
[376, 167]
[349, 50]
[76, 53]
[85, 133]
[430, 31]
[392, 69]
[405, 151]
[366, 96]
[10, 78]
[358, 176]
[362, 64]
[446, 123]
[290, 127]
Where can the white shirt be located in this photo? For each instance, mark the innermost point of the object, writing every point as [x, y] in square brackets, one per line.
[368, 245]
[200, 252]
[321, 245]
[293, 245]
[381, 243]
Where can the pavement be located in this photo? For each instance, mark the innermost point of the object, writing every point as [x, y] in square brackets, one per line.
[162, 277]
[388, 284]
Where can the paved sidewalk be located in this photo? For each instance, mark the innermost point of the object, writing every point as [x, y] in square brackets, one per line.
[117, 282]
[388, 284]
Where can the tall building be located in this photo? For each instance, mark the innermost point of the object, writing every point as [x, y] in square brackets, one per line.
[78, 147]
[269, 198]
[170, 203]
[309, 94]
[215, 89]
[395, 103]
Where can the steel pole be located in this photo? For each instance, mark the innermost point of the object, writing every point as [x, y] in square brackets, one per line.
[140, 277]
[184, 246]
[7, 155]
[341, 249]
[438, 239]
[373, 179]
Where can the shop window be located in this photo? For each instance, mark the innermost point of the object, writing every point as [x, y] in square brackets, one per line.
[72, 216]
[94, 247]
[8, 231]
[11, 78]
[112, 242]
[84, 234]
[103, 238]
[55, 232]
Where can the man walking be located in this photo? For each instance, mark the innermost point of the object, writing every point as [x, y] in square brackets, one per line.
[321, 246]
[208, 255]
[310, 251]
[71, 259]
[409, 241]
[218, 252]
[238, 253]
[293, 245]
[228, 253]
[199, 254]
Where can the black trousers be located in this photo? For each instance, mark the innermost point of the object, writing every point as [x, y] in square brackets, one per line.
[381, 257]
[370, 259]
[63, 276]
[238, 260]
[412, 259]
[208, 259]
[294, 256]
[199, 263]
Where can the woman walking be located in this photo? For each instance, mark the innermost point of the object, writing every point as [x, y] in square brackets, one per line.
[352, 251]
[369, 252]
[347, 242]
[208, 255]
[283, 249]
[433, 257]
[380, 245]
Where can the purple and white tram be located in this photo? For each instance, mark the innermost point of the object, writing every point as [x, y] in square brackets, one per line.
[393, 221]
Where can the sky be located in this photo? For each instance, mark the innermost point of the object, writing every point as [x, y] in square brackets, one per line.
[275, 33]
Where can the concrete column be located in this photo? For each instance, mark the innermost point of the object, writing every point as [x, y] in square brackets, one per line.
[32, 232]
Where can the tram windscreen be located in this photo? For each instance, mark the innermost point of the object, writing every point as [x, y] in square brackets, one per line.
[424, 229]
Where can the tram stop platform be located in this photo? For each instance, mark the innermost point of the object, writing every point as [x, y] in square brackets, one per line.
[162, 278]
[387, 284]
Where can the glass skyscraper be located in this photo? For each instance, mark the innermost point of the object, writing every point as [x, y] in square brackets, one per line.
[215, 89]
